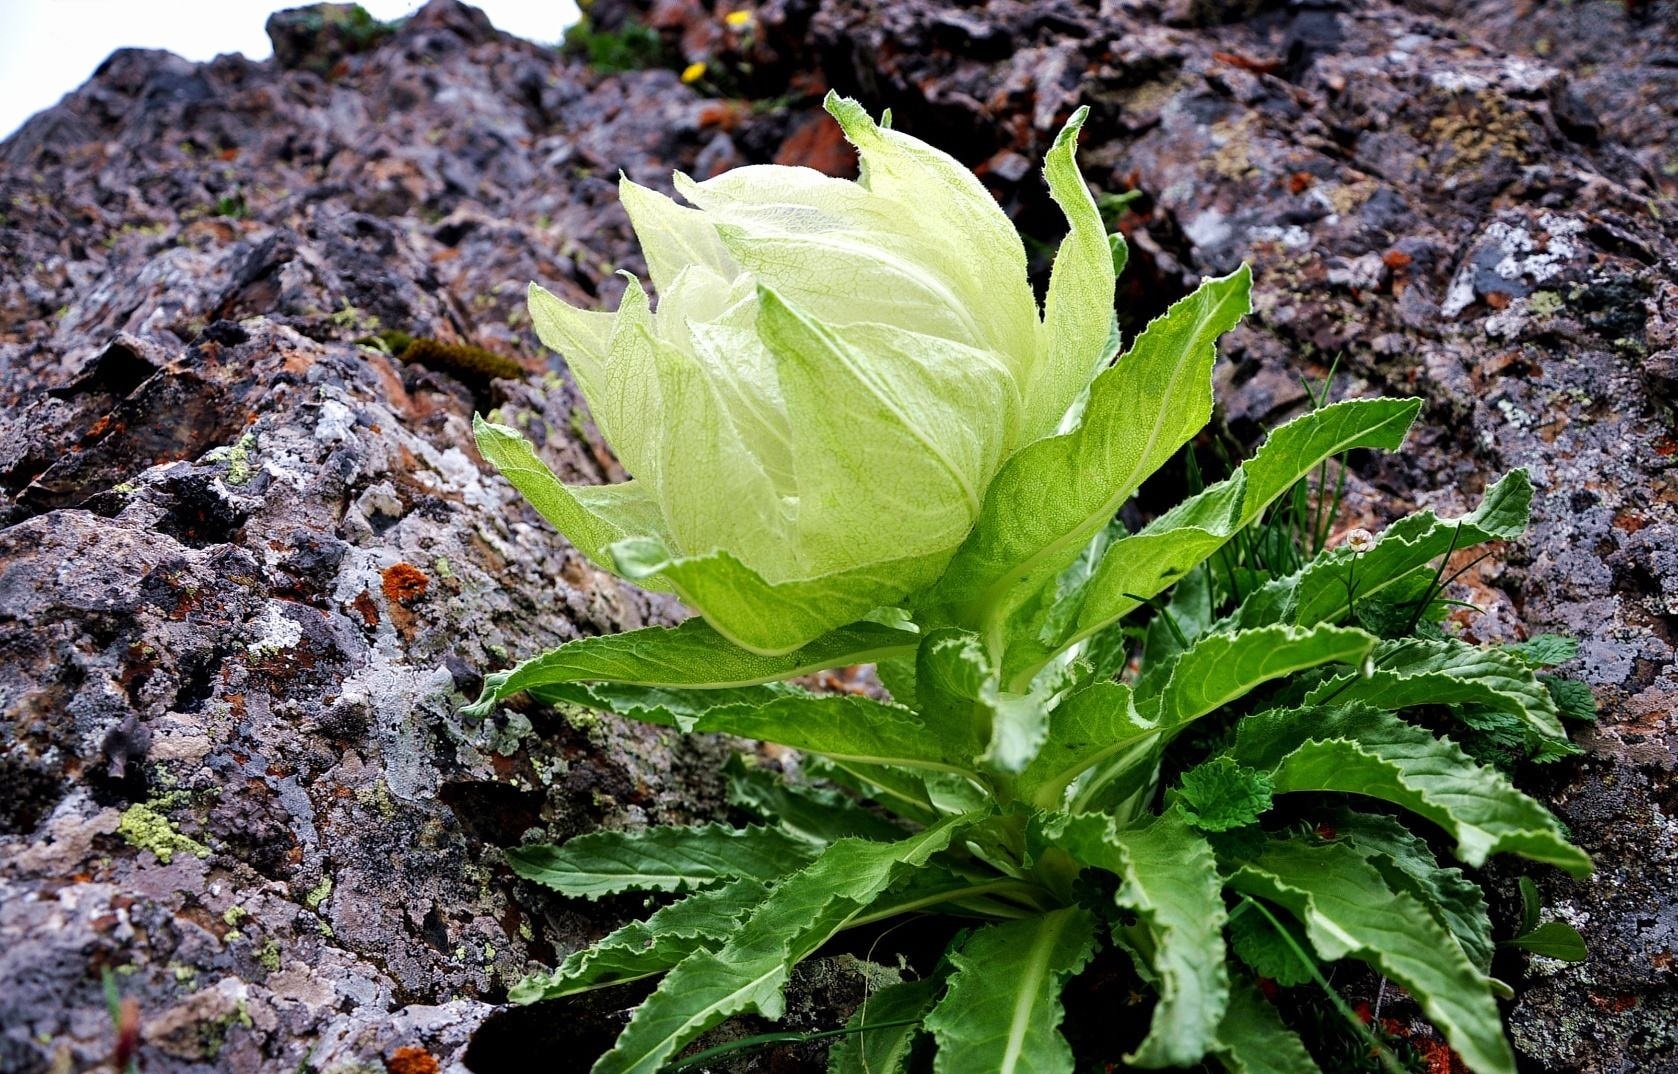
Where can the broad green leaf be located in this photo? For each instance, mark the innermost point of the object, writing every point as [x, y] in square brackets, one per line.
[1002, 1011]
[771, 617]
[1217, 670]
[1089, 727]
[1170, 879]
[897, 675]
[1053, 495]
[1348, 910]
[1544, 650]
[1318, 593]
[591, 517]
[1574, 699]
[853, 729]
[957, 684]
[665, 706]
[659, 859]
[750, 970]
[1222, 668]
[643, 948]
[1553, 939]
[1360, 750]
[1418, 672]
[1252, 1039]
[901, 790]
[1408, 864]
[1143, 564]
[886, 1050]
[817, 814]
[690, 655]
[1220, 794]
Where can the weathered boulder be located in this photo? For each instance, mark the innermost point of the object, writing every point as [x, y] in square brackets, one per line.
[250, 562]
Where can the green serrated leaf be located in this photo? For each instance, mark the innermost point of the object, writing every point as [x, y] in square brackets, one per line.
[1002, 1010]
[660, 705]
[1052, 496]
[869, 1050]
[1397, 565]
[1143, 564]
[1089, 727]
[643, 948]
[1544, 650]
[817, 814]
[1222, 794]
[1266, 952]
[901, 790]
[659, 859]
[1360, 750]
[1407, 863]
[1252, 1038]
[1217, 670]
[1553, 939]
[687, 656]
[851, 729]
[1170, 879]
[1348, 910]
[1221, 668]
[1574, 699]
[1414, 672]
[750, 970]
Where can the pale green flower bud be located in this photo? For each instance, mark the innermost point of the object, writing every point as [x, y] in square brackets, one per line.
[834, 373]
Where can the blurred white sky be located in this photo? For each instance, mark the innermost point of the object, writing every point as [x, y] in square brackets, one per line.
[49, 47]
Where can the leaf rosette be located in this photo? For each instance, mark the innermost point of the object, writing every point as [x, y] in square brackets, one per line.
[834, 373]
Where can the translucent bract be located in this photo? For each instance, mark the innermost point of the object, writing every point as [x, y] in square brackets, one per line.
[834, 372]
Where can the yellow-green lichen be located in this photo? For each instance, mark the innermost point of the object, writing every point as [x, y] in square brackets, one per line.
[318, 893]
[145, 828]
[1545, 303]
[239, 460]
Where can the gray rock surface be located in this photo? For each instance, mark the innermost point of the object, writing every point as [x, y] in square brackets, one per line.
[250, 562]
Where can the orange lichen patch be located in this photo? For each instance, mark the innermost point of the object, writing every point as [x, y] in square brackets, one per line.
[411, 1059]
[404, 584]
[1300, 182]
[1613, 1004]
[1629, 521]
[1396, 259]
[1437, 1058]
[818, 143]
[1497, 300]
[365, 607]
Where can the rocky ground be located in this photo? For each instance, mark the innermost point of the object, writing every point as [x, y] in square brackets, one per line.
[251, 564]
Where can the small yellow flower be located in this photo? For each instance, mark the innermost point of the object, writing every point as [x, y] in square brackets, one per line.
[738, 20]
[693, 72]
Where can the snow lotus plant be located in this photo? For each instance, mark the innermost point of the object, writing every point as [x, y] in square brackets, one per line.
[854, 439]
